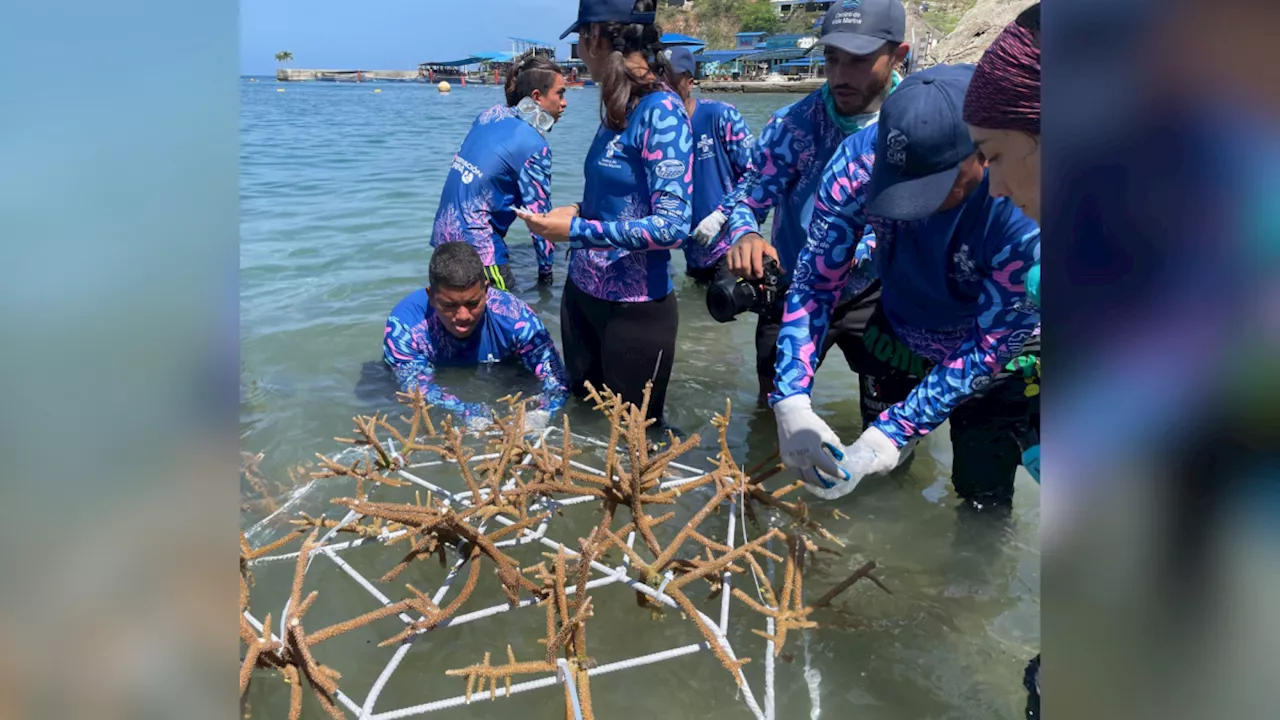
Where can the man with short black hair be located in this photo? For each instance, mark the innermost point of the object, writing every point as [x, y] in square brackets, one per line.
[459, 320]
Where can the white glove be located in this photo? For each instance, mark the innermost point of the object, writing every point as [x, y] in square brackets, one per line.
[801, 435]
[478, 424]
[709, 228]
[535, 421]
[873, 453]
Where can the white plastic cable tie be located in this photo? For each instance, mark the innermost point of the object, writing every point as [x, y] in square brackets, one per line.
[666, 578]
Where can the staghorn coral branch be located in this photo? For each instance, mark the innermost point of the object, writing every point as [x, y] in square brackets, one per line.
[710, 568]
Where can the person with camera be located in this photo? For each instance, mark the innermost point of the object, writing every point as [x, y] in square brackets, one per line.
[721, 158]
[953, 314]
[862, 47]
[618, 314]
[459, 319]
[504, 163]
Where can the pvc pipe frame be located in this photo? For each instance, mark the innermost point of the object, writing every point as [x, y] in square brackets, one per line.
[611, 576]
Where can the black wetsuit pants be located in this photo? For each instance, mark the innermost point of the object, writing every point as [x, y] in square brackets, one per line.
[619, 345]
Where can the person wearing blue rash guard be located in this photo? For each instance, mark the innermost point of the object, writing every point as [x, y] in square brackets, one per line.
[863, 43]
[618, 314]
[460, 320]
[953, 311]
[504, 163]
[721, 158]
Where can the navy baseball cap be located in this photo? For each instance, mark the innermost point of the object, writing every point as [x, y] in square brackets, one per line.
[862, 27]
[920, 142]
[596, 11]
[681, 60]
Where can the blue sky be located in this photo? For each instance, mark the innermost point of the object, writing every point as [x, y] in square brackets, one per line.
[391, 34]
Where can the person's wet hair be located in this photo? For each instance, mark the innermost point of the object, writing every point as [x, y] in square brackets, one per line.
[455, 265]
[620, 87]
[535, 73]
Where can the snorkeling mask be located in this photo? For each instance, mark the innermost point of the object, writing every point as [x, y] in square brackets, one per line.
[533, 114]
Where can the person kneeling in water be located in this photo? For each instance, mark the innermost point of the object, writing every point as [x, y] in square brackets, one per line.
[504, 163]
[459, 320]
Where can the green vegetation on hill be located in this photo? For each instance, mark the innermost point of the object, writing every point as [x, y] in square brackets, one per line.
[945, 14]
[717, 21]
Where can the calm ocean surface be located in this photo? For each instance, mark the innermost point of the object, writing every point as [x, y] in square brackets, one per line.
[339, 186]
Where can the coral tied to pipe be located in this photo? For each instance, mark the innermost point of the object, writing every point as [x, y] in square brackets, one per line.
[517, 486]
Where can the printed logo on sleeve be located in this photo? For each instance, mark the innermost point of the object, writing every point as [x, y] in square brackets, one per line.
[670, 169]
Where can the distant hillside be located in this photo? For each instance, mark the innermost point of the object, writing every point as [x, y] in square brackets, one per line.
[717, 21]
[977, 29]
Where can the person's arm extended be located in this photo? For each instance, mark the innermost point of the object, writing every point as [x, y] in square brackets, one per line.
[835, 232]
[773, 170]
[538, 353]
[535, 191]
[1004, 324]
[403, 349]
[667, 148]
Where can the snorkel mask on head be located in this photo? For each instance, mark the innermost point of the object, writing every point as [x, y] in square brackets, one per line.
[533, 114]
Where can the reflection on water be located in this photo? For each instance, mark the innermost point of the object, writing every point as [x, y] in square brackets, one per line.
[339, 186]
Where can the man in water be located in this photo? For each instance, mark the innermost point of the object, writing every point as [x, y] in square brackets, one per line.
[863, 44]
[504, 163]
[721, 159]
[460, 320]
[954, 310]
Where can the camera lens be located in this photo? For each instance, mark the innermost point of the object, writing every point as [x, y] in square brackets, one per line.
[727, 300]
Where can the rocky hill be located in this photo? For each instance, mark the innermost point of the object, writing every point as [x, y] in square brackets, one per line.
[942, 31]
[976, 30]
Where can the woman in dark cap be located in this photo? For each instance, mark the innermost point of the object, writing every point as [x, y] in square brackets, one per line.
[618, 315]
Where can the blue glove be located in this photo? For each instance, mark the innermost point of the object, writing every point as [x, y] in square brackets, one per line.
[1031, 461]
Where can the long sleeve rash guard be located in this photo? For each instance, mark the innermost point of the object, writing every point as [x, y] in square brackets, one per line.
[415, 342]
[953, 290]
[722, 158]
[637, 205]
[791, 154]
[504, 163]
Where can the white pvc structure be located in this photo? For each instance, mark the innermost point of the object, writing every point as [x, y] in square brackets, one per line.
[603, 575]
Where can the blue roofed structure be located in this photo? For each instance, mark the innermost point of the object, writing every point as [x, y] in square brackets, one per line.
[718, 56]
[676, 39]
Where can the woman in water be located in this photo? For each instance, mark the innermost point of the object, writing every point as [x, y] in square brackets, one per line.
[618, 315]
[504, 163]
[1002, 110]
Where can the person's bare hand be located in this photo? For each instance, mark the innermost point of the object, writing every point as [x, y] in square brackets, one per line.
[746, 257]
[569, 211]
[553, 226]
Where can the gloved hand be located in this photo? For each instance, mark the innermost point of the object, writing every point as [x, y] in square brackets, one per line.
[873, 453]
[709, 228]
[536, 421]
[1031, 461]
[545, 276]
[478, 423]
[801, 435]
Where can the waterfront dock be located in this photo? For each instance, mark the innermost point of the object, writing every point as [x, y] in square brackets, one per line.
[304, 75]
[807, 85]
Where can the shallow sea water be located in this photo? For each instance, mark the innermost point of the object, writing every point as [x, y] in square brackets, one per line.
[338, 189]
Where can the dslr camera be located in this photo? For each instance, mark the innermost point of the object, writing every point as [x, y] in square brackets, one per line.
[727, 298]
